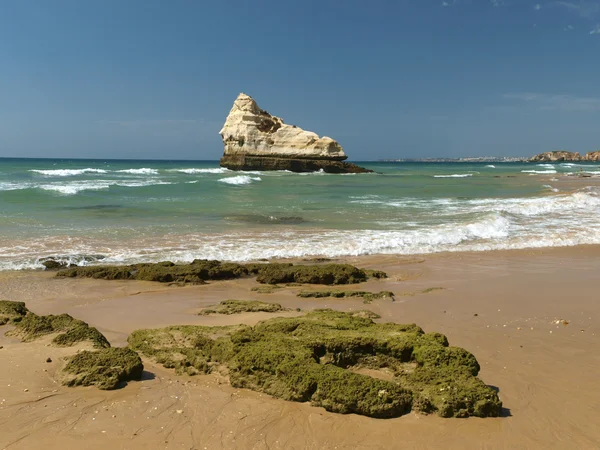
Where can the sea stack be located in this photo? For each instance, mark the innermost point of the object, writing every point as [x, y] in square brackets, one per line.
[256, 140]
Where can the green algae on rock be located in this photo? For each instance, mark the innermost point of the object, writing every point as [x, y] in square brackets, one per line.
[12, 312]
[314, 274]
[71, 330]
[242, 306]
[268, 289]
[199, 271]
[319, 358]
[367, 296]
[106, 369]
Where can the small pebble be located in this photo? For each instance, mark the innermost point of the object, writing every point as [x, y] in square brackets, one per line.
[48, 360]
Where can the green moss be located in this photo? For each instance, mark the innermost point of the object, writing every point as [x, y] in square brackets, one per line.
[325, 274]
[186, 348]
[319, 358]
[368, 296]
[268, 289]
[106, 369]
[375, 273]
[71, 330]
[199, 271]
[431, 289]
[12, 312]
[242, 306]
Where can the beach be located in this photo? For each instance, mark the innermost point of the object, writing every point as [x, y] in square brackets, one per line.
[529, 316]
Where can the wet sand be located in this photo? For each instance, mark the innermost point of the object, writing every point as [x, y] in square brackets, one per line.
[501, 306]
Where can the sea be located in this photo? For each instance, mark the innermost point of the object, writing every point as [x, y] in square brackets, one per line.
[129, 211]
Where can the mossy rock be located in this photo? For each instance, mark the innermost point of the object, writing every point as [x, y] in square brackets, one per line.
[321, 358]
[188, 349]
[200, 270]
[12, 312]
[71, 330]
[326, 274]
[367, 296]
[268, 289]
[242, 306]
[106, 369]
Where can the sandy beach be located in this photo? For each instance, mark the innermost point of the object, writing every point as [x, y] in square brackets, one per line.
[501, 306]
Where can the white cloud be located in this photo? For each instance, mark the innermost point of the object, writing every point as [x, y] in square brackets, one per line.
[556, 102]
[596, 30]
[537, 7]
[587, 9]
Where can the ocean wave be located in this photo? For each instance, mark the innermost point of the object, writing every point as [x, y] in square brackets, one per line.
[194, 171]
[548, 166]
[539, 171]
[96, 185]
[142, 171]
[67, 172]
[239, 180]
[454, 175]
[491, 166]
[581, 201]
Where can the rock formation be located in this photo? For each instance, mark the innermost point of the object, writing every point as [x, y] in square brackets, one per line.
[560, 156]
[556, 156]
[593, 156]
[256, 140]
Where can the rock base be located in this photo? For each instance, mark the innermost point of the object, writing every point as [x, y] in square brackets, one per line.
[245, 162]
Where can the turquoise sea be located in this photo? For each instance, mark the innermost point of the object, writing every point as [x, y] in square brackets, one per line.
[123, 211]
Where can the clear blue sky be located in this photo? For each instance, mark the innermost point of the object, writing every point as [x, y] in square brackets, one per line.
[387, 79]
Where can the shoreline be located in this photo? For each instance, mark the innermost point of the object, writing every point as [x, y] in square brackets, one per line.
[499, 305]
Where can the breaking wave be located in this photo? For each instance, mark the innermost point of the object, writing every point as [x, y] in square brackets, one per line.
[239, 180]
[67, 172]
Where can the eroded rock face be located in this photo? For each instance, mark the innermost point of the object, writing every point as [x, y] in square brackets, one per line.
[593, 156]
[556, 156]
[257, 140]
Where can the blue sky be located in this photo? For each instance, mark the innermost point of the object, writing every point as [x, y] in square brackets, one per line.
[387, 79]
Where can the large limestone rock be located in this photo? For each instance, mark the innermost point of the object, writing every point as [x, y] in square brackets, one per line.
[556, 156]
[256, 140]
[593, 156]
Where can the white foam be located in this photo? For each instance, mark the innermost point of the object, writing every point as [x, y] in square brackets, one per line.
[75, 187]
[67, 172]
[142, 171]
[454, 175]
[194, 171]
[240, 179]
[491, 166]
[9, 186]
[538, 171]
[548, 166]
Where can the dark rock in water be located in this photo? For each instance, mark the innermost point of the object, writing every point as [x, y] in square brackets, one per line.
[246, 162]
[63, 261]
[257, 140]
[52, 264]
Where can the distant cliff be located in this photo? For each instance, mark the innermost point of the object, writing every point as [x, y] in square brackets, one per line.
[257, 140]
[560, 156]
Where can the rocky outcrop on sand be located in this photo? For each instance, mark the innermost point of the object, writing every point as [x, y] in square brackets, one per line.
[556, 156]
[257, 140]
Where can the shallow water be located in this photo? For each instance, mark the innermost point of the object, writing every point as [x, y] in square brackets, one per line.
[131, 211]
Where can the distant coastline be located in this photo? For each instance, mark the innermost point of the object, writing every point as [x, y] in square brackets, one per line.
[474, 159]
